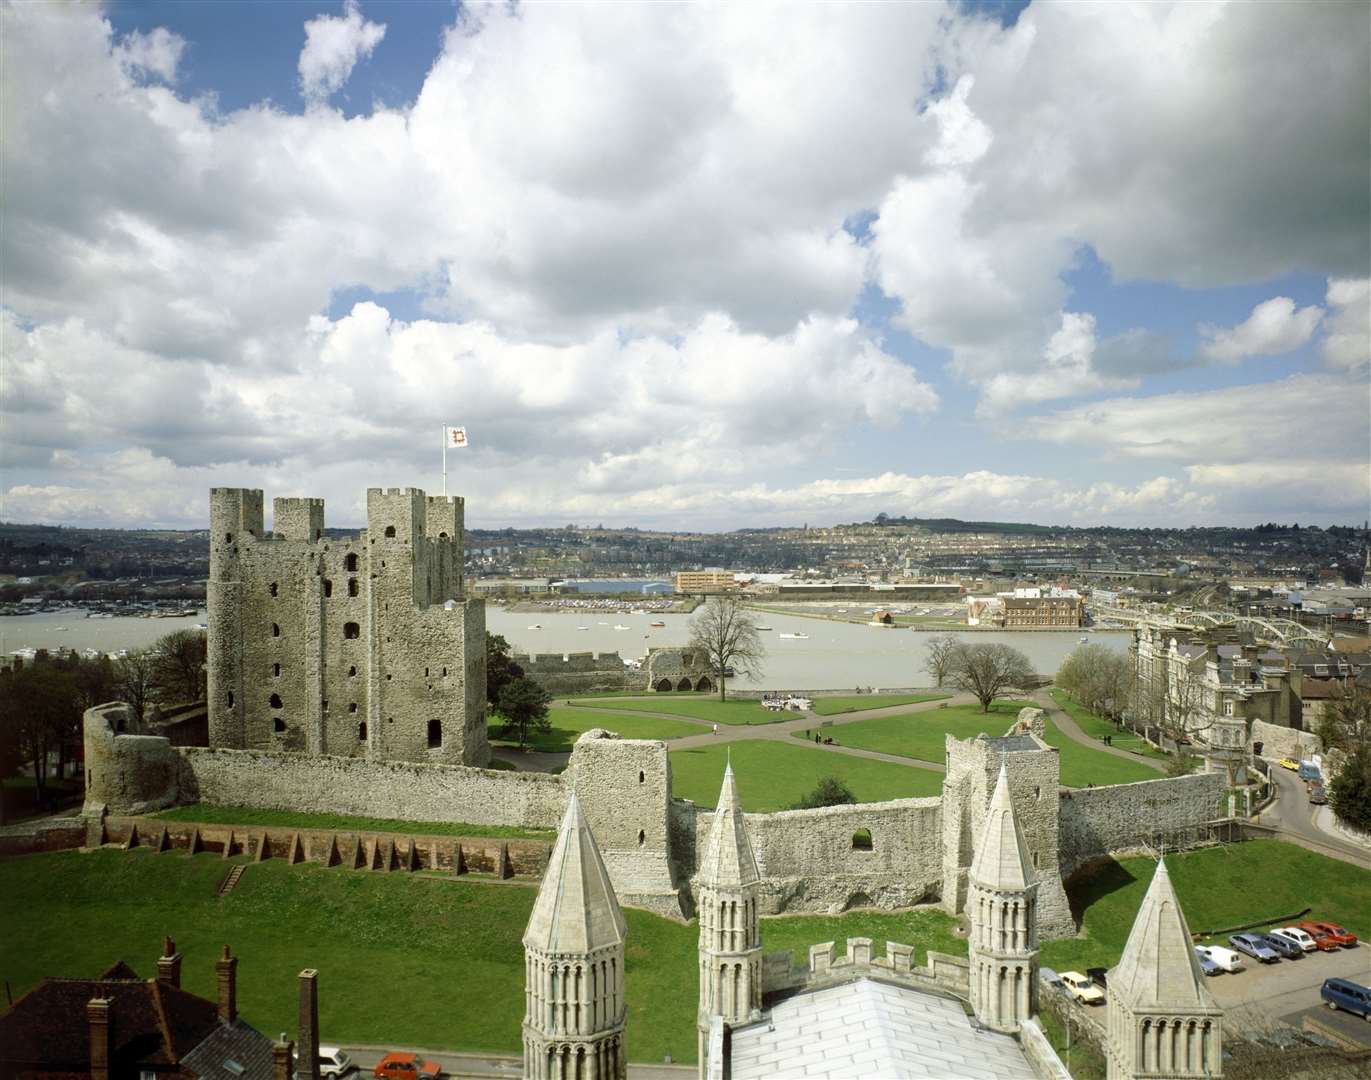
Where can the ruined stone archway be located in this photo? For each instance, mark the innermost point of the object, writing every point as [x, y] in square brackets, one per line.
[705, 686]
[663, 686]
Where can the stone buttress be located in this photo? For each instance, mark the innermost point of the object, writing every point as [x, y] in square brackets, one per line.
[727, 887]
[1003, 911]
[574, 965]
[1161, 1019]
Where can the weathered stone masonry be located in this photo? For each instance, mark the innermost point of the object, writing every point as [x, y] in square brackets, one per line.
[363, 647]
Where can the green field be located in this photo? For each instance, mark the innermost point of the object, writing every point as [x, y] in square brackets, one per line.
[568, 725]
[697, 707]
[920, 734]
[832, 706]
[1084, 765]
[244, 815]
[1097, 727]
[774, 775]
[1217, 887]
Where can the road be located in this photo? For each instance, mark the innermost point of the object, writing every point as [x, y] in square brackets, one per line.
[1292, 816]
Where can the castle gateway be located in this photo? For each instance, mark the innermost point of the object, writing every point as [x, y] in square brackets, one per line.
[360, 647]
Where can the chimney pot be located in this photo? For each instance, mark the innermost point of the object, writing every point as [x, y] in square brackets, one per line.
[308, 1067]
[99, 1019]
[169, 964]
[283, 1059]
[226, 970]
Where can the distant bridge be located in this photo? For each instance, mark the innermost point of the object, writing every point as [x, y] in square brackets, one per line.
[1280, 632]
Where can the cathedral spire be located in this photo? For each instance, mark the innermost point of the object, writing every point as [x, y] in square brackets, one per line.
[727, 858]
[1002, 860]
[1158, 969]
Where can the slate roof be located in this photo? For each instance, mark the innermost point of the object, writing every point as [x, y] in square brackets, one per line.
[576, 910]
[239, 1044]
[152, 1024]
[727, 858]
[1002, 860]
[1158, 969]
[869, 1028]
[1013, 743]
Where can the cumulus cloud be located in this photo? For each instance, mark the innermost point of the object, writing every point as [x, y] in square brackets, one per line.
[1347, 341]
[1275, 326]
[1067, 370]
[157, 53]
[333, 45]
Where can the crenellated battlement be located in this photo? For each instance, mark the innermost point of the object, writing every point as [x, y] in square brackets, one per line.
[941, 972]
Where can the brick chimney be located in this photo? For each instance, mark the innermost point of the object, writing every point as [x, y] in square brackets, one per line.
[226, 968]
[283, 1059]
[308, 1067]
[101, 1035]
[169, 964]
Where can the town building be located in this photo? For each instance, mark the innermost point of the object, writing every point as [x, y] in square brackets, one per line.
[697, 582]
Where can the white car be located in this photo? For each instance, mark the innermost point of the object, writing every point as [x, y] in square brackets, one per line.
[1295, 936]
[1227, 959]
[1082, 989]
[334, 1062]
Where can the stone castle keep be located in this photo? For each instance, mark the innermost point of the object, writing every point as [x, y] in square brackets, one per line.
[358, 647]
[348, 677]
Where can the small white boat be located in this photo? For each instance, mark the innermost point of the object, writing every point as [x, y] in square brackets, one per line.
[582, 628]
[1084, 639]
[797, 637]
[59, 629]
[764, 628]
[621, 626]
[659, 622]
[536, 626]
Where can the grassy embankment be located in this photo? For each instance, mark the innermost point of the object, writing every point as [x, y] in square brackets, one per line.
[250, 817]
[1097, 727]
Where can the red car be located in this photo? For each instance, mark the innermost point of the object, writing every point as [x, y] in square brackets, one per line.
[1323, 941]
[398, 1066]
[1331, 930]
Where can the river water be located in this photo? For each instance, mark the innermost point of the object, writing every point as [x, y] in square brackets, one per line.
[835, 655]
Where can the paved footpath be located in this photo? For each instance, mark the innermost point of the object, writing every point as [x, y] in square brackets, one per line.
[1072, 730]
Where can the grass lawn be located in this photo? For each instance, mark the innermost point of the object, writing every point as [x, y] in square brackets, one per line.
[832, 706]
[1217, 887]
[774, 775]
[697, 706]
[452, 948]
[920, 734]
[1083, 765]
[568, 725]
[1097, 727]
[243, 815]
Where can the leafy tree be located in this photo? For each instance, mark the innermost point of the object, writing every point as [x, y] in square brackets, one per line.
[39, 707]
[1349, 792]
[830, 791]
[938, 656]
[987, 671]
[1099, 678]
[523, 704]
[724, 631]
[179, 666]
[500, 667]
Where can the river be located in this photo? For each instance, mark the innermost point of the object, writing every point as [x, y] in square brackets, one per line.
[835, 655]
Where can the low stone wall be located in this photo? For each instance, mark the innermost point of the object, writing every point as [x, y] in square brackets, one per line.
[942, 973]
[1278, 741]
[407, 791]
[809, 862]
[1094, 822]
[580, 672]
[46, 835]
[1036, 1047]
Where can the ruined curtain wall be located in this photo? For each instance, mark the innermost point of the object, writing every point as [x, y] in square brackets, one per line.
[1098, 821]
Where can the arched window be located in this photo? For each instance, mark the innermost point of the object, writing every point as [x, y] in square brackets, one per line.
[352, 631]
[328, 587]
[278, 726]
[663, 686]
[275, 671]
[228, 538]
[352, 671]
[361, 730]
[274, 589]
[274, 701]
[642, 837]
[684, 684]
[642, 777]
[350, 563]
[442, 536]
[275, 630]
[352, 587]
[352, 707]
[390, 530]
[230, 699]
[435, 734]
[861, 840]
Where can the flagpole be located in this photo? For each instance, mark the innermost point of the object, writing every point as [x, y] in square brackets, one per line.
[444, 432]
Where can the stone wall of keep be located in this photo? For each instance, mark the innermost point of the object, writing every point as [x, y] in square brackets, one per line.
[1104, 820]
[809, 863]
[404, 790]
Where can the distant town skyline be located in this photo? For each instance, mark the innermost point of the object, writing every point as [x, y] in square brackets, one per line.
[689, 266]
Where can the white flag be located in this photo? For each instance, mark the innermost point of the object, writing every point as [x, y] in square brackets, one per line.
[456, 436]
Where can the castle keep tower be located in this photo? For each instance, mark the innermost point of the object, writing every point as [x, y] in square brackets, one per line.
[1002, 903]
[1161, 1020]
[363, 646]
[726, 887]
[574, 965]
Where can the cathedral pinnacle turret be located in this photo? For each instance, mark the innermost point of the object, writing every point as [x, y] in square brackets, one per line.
[574, 950]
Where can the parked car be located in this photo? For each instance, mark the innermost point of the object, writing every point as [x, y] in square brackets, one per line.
[1099, 976]
[401, 1066]
[1255, 946]
[1289, 763]
[1051, 978]
[1297, 936]
[1347, 995]
[1082, 989]
[1291, 950]
[1227, 959]
[334, 1062]
[1317, 795]
[1336, 932]
[1309, 771]
[1206, 965]
[1323, 940]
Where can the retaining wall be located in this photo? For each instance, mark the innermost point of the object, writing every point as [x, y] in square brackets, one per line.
[1278, 741]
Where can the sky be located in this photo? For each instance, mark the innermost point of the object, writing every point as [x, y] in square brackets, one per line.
[693, 266]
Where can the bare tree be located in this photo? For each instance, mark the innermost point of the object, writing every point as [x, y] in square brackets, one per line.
[135, 677]
[180, 666]
[987, 671]
[938, 656]
[1099, 678]
[724, 631]
[1346, 723]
